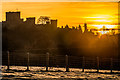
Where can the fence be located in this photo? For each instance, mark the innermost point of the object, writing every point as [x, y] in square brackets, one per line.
[49, 60]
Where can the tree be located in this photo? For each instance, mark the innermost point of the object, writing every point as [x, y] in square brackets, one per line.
[43, 19]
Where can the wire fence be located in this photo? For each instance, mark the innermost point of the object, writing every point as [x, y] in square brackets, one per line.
[49, 60]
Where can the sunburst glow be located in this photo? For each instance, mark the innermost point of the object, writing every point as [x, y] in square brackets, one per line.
[95, 14]
[102, 20]
[106, 26]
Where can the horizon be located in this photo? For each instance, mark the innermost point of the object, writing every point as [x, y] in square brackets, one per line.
[71, 13]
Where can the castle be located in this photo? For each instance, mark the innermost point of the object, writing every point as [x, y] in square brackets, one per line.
[20, 34]
[13, 19]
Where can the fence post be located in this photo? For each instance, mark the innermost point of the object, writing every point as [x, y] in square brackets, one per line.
[111, 60]
[14, 59]
[8, 68]
[28, 61]
[83, 64]
[67, 67]
[47, 61]
[97, 64]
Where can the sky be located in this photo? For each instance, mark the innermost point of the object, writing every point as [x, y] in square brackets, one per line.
[71, 13]
[59, 0]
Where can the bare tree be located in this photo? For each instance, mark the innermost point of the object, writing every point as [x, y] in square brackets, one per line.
[43, 19]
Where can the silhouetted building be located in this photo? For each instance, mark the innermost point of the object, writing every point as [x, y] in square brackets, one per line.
[73, 27]
[85, 26]
[30, 20]
[12, 16]
[61, 26]
[67, 26]
[13, 19]
[54, 24]
[80, 28]
[47, 22]
[27, 33]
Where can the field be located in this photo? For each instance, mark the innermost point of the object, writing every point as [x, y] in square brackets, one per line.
[19, 72]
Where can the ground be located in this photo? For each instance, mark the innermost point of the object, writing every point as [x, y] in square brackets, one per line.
[19, 72]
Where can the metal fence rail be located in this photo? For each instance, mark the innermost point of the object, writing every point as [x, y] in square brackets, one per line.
[50, 60]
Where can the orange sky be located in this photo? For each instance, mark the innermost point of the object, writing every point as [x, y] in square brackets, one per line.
[71, 13]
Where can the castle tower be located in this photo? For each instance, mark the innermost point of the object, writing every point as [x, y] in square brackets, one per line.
[85, 27]
[54, 24]
[12, 17]
[80, 28]
[30, 20]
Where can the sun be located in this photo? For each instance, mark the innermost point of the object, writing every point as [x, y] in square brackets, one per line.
[106, 26]
[105, 29]
[103, 32]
